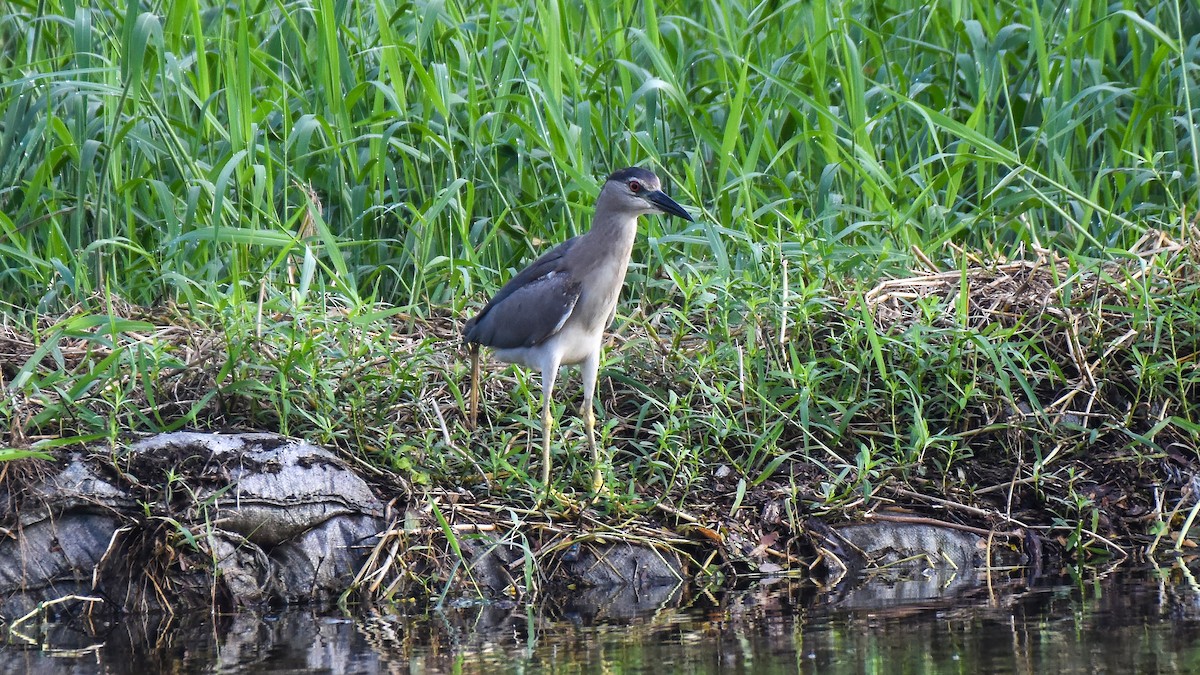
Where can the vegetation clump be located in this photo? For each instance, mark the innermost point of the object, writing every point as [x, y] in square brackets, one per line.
[946, 258]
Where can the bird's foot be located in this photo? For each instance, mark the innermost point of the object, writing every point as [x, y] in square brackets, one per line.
[552, 497]
[601, 493]
[611, 502]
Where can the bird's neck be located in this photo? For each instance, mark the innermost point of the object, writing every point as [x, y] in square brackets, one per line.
[612, 235]
[610, 243]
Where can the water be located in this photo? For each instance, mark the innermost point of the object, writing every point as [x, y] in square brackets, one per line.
[1118, 623]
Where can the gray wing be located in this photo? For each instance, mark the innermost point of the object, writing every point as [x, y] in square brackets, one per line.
[530, 308]
[528, 315]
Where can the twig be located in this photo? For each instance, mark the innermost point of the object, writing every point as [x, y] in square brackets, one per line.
[460, 528]
[784, 555]
[437, 410]
[1003, 486]
[43, 606]
[924, 259]
[112, 545]
[924, 520]
[667, 508]
[983, 513]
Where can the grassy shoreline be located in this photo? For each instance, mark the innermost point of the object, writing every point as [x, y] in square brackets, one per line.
[1061, 425]
[311, 197]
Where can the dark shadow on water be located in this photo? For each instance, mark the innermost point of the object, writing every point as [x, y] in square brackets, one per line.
[1125, 622]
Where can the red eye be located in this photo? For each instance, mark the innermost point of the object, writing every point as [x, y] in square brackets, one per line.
[635, 186]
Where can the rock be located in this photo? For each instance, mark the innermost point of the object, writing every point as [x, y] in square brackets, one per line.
[907, 561]
[183, 518]
[492, 564]
[918, 546]
[281, 488]
[588, 569]
[621, 563]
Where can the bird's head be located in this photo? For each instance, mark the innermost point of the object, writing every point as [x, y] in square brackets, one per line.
[639, 191]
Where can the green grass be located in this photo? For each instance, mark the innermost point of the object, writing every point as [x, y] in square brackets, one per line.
[283, 175]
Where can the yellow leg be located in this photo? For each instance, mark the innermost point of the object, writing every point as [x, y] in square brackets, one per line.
[474, 399]
[589, 422]
[547, 427]
[588, 368]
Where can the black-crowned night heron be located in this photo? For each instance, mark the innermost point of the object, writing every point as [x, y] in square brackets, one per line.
[554, 312]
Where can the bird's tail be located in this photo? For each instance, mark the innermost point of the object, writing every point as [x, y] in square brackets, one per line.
[474, 400]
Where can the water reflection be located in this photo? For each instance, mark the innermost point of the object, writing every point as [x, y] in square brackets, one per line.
[1146, 622]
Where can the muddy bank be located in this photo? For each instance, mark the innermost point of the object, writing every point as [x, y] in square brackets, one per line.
[186, 520]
